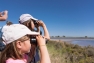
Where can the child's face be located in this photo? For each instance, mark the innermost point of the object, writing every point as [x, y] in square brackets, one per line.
[30, 25]
[25, 46]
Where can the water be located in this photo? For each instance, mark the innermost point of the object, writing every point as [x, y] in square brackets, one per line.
[84, 42]
[81, 42]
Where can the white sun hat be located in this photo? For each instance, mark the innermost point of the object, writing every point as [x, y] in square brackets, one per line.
[25, 17]
[15, 31]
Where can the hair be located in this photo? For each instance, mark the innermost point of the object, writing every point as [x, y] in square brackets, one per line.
[33, 45]
[9, 23]
[28, 23]
[11, 51]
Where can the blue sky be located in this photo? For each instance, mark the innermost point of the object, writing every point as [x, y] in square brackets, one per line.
[62, 17]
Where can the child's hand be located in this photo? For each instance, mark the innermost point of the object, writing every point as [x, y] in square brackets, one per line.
[40, 40]
[40, 23]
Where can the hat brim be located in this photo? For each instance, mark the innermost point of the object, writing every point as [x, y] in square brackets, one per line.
[32, 33]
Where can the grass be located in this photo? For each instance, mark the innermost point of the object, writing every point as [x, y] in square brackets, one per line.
[63, 52]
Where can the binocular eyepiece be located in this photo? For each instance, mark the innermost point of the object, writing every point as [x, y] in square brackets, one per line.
[33, 40]
[35, 22]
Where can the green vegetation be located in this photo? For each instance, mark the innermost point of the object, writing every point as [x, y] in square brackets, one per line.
[63, 52]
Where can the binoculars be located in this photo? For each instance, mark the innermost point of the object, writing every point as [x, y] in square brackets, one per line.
[33, 39]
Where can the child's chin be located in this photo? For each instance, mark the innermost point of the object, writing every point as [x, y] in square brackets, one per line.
[28, 51]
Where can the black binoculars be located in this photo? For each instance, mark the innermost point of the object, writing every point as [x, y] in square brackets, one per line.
[33, 40]
[35, 23]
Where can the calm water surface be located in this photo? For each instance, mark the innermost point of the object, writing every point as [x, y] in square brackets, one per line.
[84, 42]
[81, 42]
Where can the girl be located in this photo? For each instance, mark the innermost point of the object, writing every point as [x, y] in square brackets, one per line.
[32, 23]
[18, 43]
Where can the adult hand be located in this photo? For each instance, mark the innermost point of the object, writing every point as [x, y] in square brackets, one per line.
[3, 15]
[5, 12]
[0, 14]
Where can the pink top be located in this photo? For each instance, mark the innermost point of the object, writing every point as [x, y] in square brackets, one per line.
[10, 60]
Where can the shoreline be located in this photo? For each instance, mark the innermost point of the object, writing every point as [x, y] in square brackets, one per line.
[69, 39]
[80, 42]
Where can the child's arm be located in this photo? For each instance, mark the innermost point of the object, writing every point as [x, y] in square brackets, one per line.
[4, 16]
[43, 50]
[46, 33]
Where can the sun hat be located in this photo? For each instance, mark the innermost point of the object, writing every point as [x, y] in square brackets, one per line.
[15, 31]
[25, 17]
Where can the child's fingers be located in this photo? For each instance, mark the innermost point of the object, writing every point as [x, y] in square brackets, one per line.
[39, 36]
[36, 37]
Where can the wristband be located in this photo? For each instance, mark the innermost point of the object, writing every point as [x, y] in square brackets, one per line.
[41, 45]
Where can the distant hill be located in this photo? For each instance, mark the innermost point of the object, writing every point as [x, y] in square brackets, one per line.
[72, 37]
